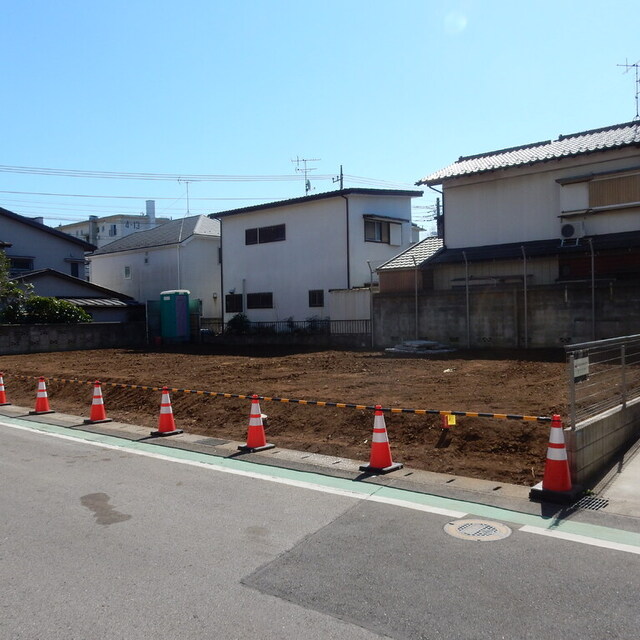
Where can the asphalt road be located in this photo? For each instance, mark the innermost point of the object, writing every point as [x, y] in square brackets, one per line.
[132, 542]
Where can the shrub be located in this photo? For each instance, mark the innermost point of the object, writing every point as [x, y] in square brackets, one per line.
[239, 325]
[41, 310]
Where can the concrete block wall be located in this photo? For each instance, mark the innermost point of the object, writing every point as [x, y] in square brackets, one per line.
[556, 315]
[595, 443]
[34, 338]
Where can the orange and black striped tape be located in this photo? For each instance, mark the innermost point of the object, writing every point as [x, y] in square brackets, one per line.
[317, 403]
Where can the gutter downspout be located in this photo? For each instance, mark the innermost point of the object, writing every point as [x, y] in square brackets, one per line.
[593, 291]
[346, 199]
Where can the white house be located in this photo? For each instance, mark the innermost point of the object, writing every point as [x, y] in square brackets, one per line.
[31, 245]
[281, 260]
[541, 245]
[182, 254]
[104, 230]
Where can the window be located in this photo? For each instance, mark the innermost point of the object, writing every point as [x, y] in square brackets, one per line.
[376, 231]
[20, 264]
[260, 235]
[615, 190]
[113, 230]
[75, 270]
[316, 298]
[263, 300]
[127, 273]
[233, 303]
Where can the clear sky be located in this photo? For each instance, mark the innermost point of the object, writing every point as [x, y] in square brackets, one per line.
[390, 90]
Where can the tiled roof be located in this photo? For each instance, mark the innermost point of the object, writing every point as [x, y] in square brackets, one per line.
[319, 196]
[421, 251]
[613, 137]
[169, 233]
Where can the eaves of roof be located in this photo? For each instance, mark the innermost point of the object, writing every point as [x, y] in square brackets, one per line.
[43, 227]
[319, 196]
[576, 144]
[536, 249]
[40, 273]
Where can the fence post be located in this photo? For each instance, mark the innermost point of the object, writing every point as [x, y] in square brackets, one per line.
[572, 391]
[623, 374]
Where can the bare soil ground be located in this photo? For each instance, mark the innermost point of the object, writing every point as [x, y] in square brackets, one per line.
[524, 382]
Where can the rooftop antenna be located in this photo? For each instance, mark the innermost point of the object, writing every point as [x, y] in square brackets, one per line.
[305, 170]
[635, 66]
[339, 178]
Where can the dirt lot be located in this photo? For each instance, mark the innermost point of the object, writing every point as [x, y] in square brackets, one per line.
[527, 383]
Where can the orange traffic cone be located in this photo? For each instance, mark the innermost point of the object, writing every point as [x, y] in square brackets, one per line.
[166, 424]
[557, 476]
[380, 460]
[42, 401]
[3, 395]
[556, 485]
[98, 413]
[256, 439]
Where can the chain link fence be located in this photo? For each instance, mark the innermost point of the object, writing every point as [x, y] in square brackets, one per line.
[602, 375]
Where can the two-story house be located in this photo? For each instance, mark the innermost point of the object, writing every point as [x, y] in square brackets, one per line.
[33, 246]
[181, 254]
[282, 260]
[541, 246]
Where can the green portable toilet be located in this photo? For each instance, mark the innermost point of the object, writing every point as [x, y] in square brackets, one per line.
[174, 315]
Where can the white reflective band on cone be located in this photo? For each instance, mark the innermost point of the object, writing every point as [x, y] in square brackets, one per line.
[556, 454]
[556, 436]
[379, 436]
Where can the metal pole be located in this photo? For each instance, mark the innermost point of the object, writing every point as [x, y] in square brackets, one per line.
[572, 391]
[466, 283]
[526, 319]
[370, 302]
[415, 286]
[593, 292]
[623, 374]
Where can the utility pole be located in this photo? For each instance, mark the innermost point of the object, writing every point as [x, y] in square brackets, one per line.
[339, 178]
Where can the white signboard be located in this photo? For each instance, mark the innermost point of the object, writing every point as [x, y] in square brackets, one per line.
[580, 368]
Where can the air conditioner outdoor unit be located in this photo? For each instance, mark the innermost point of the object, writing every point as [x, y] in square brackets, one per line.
[572, 230]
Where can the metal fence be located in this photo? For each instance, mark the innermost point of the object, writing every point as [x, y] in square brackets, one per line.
[602, 375]
[312, 326]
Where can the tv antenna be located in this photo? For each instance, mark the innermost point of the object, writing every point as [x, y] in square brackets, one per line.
[305, 170]
[635, 66]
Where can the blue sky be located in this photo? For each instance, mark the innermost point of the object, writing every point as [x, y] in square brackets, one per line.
[390, 90]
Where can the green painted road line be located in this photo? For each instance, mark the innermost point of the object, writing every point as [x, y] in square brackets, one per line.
[449, 507]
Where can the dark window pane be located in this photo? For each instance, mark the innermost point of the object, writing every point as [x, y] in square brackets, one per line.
[262, 300]
[316, 298]
[233, 303]
[251, 236]
[272, 234]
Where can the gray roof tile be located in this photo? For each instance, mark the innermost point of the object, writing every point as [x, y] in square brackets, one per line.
[421, 251]
[169, 233]
[616, 136]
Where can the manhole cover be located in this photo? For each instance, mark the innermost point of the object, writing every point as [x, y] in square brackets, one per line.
[479, 530]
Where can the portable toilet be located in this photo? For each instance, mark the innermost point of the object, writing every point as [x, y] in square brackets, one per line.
[174, 315]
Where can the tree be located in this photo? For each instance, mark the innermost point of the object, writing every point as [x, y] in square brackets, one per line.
[18, 305]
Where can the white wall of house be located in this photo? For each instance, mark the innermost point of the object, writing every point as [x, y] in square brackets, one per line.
[44, 250]
[324, 249]
[103, 231]
[526, 203]
[144, 274]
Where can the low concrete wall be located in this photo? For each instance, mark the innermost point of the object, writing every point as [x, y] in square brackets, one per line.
[596, 442]
[555, 315]
[339, 340]
[35, 338]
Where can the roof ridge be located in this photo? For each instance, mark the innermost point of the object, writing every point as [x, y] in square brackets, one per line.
[578, 134]
[506, 150]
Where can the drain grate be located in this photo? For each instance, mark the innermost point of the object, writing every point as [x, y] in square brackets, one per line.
[478, 530]
[592, 503]
[211, 442]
